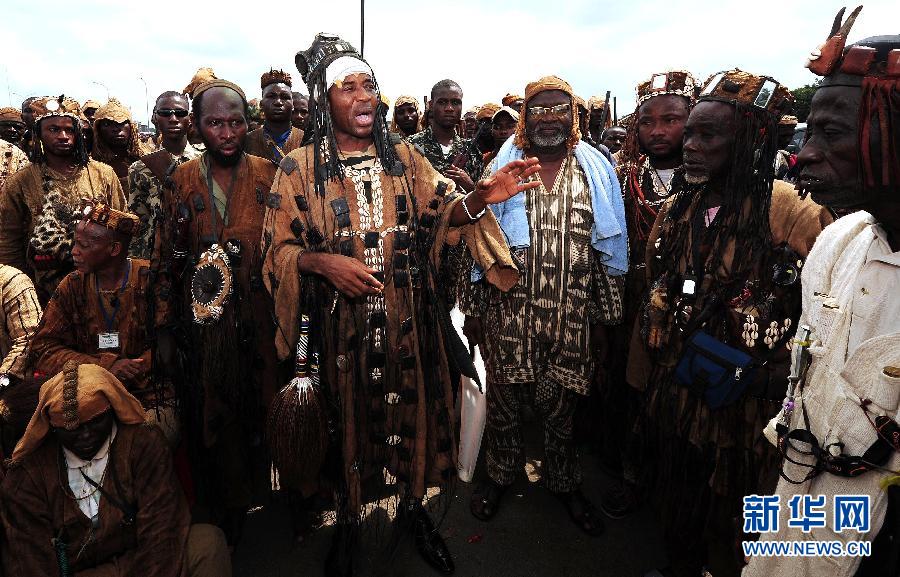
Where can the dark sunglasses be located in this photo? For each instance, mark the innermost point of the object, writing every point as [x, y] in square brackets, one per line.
[167, 112]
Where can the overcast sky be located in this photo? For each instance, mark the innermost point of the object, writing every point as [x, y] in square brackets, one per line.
[490, 48]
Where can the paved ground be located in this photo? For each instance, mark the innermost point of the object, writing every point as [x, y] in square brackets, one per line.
[531, 536]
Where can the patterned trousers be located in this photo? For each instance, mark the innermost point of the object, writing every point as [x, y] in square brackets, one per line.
[505, 444]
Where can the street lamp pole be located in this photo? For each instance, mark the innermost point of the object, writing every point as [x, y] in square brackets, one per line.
[146, 100]
[104, 87]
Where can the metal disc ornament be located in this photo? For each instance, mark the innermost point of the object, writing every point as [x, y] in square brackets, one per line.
[211, 286]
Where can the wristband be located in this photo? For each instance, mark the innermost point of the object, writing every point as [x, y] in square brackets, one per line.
[469, 214]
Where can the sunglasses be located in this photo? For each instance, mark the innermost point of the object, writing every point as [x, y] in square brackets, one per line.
[558, 110]
[167, 112]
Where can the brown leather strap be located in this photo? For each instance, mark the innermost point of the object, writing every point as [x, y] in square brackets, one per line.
[158, 162]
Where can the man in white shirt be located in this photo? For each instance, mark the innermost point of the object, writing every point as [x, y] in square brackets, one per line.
[850, 281]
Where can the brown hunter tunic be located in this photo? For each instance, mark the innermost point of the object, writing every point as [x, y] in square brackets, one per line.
[73, 319]
[245, 332]
[20, 314]
[260, 144]
[702, 461]
[38, 506]
[22, 202]
[384, 362]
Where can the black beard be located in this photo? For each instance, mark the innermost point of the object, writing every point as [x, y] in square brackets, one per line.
[676, 155]
[218, 157]
[226, 160]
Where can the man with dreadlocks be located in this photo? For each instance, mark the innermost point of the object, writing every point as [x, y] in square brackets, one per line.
[540, 338]
[723, 262]
[146, 176]
[277, 136]
[38, 203]
[210, 301]
[116, 140]
[406, 116]
[850, 162]
[649, 159]
[353, 238]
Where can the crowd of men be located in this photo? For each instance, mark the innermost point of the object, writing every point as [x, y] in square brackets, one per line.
[194, 321]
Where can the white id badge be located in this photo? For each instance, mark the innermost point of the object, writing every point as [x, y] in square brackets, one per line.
[108, 341]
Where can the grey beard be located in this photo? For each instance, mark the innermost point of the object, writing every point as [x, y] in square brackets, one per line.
[547, 141]
[702, 179]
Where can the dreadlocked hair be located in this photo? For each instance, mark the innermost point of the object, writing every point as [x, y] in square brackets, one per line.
[326, 160]
[80, 153]
[747, 194]
[880, 105]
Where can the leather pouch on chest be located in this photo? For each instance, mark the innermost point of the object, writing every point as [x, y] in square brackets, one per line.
[713, 370]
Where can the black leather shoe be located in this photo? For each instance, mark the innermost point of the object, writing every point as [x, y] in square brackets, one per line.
[339, 561]
[430, 544]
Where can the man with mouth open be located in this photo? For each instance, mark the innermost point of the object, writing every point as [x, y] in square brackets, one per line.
[355, 230]
[210, 302]
[146, 176]
[723, 265]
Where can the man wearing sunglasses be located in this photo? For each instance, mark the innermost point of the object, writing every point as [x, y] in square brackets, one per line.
[840, 438]
[539, 342]
[146, 175]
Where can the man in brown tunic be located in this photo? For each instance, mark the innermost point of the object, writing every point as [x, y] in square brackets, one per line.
[91, 486]
[213, 218]
[646, 172]
[353, 238]
[20, 313]
[277, 136]
[98, 314]
[116, 139]
[723, 266]
[38, 203]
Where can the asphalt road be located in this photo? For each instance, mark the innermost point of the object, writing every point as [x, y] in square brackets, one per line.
[531, 536]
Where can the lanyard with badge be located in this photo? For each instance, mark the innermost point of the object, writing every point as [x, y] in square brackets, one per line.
[110, 339]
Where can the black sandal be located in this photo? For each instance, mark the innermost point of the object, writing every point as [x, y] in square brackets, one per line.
[486, 500]
[582, 512]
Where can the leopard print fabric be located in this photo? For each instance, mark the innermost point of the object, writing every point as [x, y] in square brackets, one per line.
[55, 226]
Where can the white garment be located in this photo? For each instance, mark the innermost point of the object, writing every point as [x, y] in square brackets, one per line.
[835, 383]
[343, 67]
[87, 495]
[445, 149]
[876, 296]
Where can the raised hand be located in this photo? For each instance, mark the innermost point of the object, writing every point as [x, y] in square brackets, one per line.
[508, 181]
